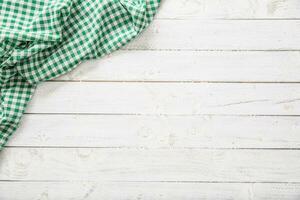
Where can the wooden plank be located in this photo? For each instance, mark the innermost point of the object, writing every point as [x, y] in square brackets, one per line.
[229, 9]
[220, 35]
[158, 131]
[244, 66]
[115, 164]
[167, 98]
[146, 191]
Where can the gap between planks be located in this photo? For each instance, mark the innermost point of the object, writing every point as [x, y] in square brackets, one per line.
[145, 148]
[124, 181]
[166, 81]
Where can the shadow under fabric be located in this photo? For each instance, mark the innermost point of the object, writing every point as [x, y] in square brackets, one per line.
[41, 40]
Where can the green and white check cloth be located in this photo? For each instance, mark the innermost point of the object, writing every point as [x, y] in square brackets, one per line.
[42, 39]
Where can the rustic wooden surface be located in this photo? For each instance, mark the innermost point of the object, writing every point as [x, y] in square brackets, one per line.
[205, 104]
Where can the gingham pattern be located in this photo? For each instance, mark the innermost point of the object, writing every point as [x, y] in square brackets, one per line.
[42, 39]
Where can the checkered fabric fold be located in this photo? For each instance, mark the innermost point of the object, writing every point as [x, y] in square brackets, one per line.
[43, 39]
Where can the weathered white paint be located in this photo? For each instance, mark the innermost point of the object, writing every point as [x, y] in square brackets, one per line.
[220, 35]
[244, 66]
[229, 9]
[123, 164]
[147, 191]
[167, 98]
[158, 131]
[184, 44]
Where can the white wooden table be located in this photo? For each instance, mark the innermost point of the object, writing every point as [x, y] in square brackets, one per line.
[205, 104]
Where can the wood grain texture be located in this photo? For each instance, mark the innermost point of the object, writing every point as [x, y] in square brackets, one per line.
[147, 191]
[115, 164]
[132, 131]
[220, 35]
[243, 66]
[162, 98]
[229, 9]
[101, 132]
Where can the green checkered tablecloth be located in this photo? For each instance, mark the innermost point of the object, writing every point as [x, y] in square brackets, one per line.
[42, 39]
